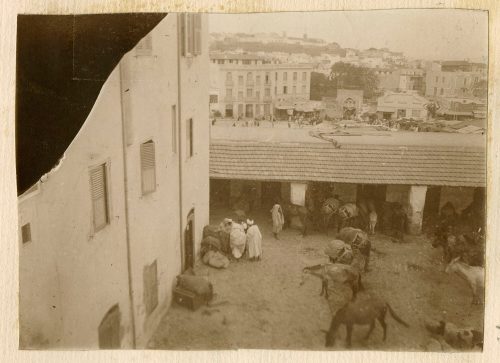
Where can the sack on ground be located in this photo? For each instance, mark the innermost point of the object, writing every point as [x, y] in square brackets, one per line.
[215, 259]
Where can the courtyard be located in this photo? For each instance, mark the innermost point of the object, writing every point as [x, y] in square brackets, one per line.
[262, 305]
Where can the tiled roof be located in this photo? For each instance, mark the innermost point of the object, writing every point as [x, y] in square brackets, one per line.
[355, 163]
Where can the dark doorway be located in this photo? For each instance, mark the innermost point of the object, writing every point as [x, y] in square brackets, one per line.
[270, 191]
[432, 201]
[219, 193]
[188, 261]
[375, 192]
[109, 329]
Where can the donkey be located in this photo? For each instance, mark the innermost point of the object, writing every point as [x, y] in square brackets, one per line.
[474, 275]
[361, 312]
[335, 272]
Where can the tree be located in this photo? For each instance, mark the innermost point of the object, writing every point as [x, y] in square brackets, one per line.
[350, 76]
[321, 86]
[480, 89]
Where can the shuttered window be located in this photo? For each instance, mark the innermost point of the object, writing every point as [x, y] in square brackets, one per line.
[197, 33]
[99, 195]
[189, 137]
[148, 167]
[150, 276]
[190, 25]
[26, 233]
[174, 128]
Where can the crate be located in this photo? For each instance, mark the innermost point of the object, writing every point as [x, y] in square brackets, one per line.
[187, 298]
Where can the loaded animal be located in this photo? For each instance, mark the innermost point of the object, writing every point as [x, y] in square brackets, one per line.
[335, 272]
[474, 275]
[361, 246]
[361, 312]
[329, 211]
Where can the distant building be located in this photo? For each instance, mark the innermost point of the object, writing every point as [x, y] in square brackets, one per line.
[249, 86]
[395, 105]
[403, 80]
[454, 79]
[461, 108]
[104, 234]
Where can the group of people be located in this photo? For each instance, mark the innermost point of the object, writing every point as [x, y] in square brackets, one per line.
[246, 239]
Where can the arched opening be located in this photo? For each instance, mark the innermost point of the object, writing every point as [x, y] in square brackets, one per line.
[109, 329]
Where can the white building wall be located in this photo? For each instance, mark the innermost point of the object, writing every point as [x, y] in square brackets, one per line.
[85, 271]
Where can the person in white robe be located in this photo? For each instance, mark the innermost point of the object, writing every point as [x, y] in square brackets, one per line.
[254, 241]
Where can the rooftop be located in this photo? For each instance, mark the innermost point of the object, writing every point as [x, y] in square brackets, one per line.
[375, 158]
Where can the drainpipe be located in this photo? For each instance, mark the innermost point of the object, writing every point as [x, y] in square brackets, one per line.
[179, 131]
[125, 194]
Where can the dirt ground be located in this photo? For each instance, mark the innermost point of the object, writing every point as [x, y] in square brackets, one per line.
[261, 305]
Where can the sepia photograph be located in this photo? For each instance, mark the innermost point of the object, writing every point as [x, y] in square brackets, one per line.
[307, 181]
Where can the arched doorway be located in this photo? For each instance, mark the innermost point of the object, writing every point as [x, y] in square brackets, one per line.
[188, 256]
[109, 329]
[349, 109]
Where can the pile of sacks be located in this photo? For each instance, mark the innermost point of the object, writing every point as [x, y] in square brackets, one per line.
[215, 244]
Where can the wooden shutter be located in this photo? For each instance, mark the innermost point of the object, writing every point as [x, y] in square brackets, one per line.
[197, 34]
[174, 128]
[26, 233]
[99, 196]
[183, 36]
[189, 137]
[190, 33]
[150, 276]
[148, 166]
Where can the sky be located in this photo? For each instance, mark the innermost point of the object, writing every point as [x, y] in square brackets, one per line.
[436, 34]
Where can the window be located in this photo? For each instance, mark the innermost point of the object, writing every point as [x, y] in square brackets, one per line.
[249, 92]
[435, 91]
[190, 34]
[99, 195]
[294, 91]
[249, 77]
[229, 76]
[465, 81]
[257, 80]
[240, 80]
[174, 128]
[267, 92]
[109, 329]
[229, 92]
[220, 61]
[257, 95]
[214, 99]
[148, 172]
[276, 75]
[246, 61]
[304, 76]
[285, 76]
[267, 78]
[275, 90]
[145, 46]
[26, 233]
[240, 95]
[294, 76]
[415, 113]
[189, 137]
[284, 90]
[150, 276]
[303, 89]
